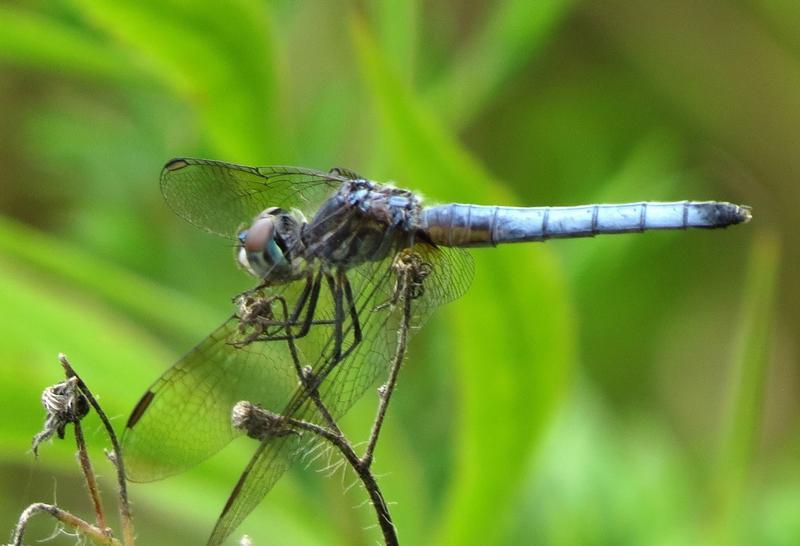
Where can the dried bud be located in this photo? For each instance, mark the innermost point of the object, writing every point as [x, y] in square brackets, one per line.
[257, 422]
[63, 403]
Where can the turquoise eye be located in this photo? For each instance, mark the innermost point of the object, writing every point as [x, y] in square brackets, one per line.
[273, 253]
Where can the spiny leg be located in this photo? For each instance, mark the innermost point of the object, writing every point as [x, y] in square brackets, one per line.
[338, 317]
[307, 300]
[342, 294]
[351, 308]
[314, 381]
[292, 320]
[312, 306]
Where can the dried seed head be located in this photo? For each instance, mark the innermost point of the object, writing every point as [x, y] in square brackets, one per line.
[63, 403]
[243, 418]
[257, 422]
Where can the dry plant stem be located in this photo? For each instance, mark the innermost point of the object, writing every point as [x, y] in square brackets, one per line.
[334, 435]
[93, 533]
[338, 440]
[394, 372]
[408, 280]
[124, 506]
[88, 474]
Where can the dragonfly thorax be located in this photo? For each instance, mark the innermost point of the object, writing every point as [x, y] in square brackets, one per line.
[272, 248]
[362, 222]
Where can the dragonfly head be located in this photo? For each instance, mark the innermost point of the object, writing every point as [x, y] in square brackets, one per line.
[268, 248]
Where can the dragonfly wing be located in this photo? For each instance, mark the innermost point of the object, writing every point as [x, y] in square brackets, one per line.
[272, 458]
[218, 196]
[373, 286]
[185, 416]
[451, 273]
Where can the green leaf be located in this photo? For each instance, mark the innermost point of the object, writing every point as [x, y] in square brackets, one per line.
[397, 23]
[42, 319]
[652, 162]
[515, 32]
[750, 364]
[219, 58]
[154, 306]
[421, 148]
[32, 40]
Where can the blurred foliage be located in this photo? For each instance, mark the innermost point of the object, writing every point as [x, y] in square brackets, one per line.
[627, 390]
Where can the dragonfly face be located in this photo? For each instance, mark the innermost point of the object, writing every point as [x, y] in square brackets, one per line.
[272, 248]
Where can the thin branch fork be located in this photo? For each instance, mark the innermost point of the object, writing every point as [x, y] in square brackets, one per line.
[260, 423]
[405, 292]
[128, 535]
[67, 403]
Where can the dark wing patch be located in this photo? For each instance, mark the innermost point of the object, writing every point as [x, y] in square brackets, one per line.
[141, 407]
[185, 416]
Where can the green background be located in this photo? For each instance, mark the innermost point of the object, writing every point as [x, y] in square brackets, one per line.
[640, 389]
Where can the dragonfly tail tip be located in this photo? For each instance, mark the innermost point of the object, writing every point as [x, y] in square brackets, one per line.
[745, 213]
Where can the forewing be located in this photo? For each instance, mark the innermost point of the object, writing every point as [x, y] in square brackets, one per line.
[219, 197]
[373, 285]
[185, 416]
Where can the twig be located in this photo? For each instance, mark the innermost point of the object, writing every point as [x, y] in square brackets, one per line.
[88, 474]
[260, 423]
[124, 505]
[92, 532]
[385, 392]
[65, 403]
[406, 277]
[410, 276]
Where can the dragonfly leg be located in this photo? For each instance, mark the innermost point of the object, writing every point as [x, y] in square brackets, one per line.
[338, 317]
[343, 296]
[292, 319]
[258, 314]
[351, 308]
[312, 306]
[308, 299]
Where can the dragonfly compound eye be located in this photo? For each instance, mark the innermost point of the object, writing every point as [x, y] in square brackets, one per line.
[260, 252]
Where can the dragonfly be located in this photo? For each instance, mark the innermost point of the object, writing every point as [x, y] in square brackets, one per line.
[323, 318]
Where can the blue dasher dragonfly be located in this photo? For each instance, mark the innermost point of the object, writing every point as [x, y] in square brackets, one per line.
[324, 246]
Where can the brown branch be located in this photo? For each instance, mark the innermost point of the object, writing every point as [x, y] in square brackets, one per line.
[128, 538]
[89, 476]
[407, 277]
[92, 532]
[260, 423]
[385, 392]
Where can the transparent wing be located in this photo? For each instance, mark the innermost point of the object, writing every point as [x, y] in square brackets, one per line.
[218, 197]
[185, 416]
[373, 285]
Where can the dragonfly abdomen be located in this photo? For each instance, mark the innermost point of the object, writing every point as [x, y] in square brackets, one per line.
[477, 225]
